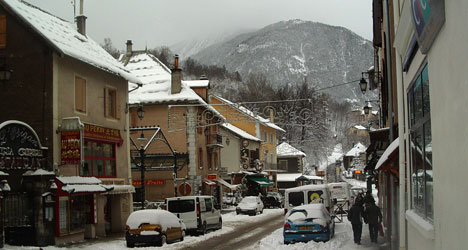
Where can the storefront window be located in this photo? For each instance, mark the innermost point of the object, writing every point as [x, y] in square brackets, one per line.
[421, 146]
[80, 212]
[99, 159]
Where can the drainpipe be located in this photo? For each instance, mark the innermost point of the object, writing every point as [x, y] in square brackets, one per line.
[388, 69]
[401, 155]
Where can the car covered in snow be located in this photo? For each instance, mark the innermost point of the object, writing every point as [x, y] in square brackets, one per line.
[153, 226]
[308, 222]
[250, 205]
[273, 199]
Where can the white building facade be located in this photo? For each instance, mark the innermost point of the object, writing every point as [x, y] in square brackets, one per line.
[431, 58]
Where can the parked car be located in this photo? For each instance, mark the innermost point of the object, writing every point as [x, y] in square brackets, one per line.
[153, 226]
[308, 222]
[250, 205]
[273, 199]
[230, 199]
[199, 213]
[340, 191]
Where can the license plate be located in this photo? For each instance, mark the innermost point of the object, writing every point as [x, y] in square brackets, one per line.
[305, 227]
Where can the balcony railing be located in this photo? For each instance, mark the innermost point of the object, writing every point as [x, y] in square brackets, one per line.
[214, 140]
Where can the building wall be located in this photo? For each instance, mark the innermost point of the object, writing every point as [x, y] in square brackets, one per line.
[446, 62]
[27, 96]
[66, 69]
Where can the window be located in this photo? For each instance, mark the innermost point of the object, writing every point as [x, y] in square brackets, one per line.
[99, 159]
[283, 164]
[271, 138]
[75, 212]
[421, 146]
[111, 109]
[296, 198]
[3, 31]
[200, 158]
[80, 94]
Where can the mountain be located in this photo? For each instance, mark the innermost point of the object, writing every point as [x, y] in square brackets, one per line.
[190, 47]
[290, 51]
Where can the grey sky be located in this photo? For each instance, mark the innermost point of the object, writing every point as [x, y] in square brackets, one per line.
[164, 22]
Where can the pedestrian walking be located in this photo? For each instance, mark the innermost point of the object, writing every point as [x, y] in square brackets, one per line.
[355, 217]
[373, 217]
[368, 199]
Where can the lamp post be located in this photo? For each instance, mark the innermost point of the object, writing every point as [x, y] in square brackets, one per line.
[141, 114]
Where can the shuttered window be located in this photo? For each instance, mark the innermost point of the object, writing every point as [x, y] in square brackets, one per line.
[3, 31]
[111, 106]
[80, 94]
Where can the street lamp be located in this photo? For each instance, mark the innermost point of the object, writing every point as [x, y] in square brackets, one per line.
[141, 114]
[372, 75]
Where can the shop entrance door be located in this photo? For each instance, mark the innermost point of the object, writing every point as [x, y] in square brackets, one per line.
[19, 219]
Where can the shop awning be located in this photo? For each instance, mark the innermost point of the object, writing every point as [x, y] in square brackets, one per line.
[388, 154]
[225, 183]
[209, 182]
[78, 184]
[262, 181]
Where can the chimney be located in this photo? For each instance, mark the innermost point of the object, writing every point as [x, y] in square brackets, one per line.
[129, 47]
[176, 77]
[81, 20]
[81, 24]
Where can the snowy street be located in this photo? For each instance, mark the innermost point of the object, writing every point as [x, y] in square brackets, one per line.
[233, 225]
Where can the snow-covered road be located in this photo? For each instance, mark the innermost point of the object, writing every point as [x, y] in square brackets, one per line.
[343, 238]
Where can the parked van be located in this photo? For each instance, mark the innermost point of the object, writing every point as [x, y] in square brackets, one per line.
[341, 191]
[308, 194]
[199, 213]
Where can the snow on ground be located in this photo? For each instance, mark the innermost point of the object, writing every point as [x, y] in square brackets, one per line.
[342, 240]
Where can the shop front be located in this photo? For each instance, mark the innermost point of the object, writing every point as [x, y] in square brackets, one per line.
[28, 196]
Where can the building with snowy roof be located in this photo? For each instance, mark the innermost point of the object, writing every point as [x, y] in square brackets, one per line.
[290, 159]
[190, 125]
[68, 97]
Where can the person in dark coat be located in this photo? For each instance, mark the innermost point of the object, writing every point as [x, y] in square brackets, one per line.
[368, 198]
[373, 217]
[355, 217]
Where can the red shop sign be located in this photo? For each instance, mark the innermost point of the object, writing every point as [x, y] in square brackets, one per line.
[71, 147]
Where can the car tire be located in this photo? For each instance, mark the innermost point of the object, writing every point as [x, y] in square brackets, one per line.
[130, 244]
[261, 211]
[183, 235]
[220, 223]
[162, 241]
[286, 242]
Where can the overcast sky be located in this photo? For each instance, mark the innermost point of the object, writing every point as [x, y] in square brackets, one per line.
[165, 22]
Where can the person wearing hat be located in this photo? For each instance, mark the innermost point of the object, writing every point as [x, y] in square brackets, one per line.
[373, 217]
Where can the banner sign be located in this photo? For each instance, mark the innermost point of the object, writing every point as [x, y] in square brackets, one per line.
[148, 182]
[71, 147]
[102, 133]
[428, 18]
[20, 147]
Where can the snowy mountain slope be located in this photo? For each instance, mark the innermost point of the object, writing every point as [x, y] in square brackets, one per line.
[290, 51]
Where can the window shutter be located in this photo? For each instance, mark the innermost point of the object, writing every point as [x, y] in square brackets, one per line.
[117, 105]
[80, 94]
[3, 32]
[106, 107]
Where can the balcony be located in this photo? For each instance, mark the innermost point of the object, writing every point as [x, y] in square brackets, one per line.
[214, 140]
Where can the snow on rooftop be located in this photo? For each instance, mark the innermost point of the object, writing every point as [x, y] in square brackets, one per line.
[356, 150]
[147, 68]
[251, 114]
[289, 177]
[38, 172]
[240, 132]
[65, 38]
[78, 180]
[360, 127]
[197, 83]
[284, 149]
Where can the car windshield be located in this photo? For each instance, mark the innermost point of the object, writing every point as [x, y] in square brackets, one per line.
[249, 200]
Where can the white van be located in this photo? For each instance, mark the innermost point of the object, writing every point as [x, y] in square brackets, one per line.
[307, 194]
[199, 213]
[341, 191]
